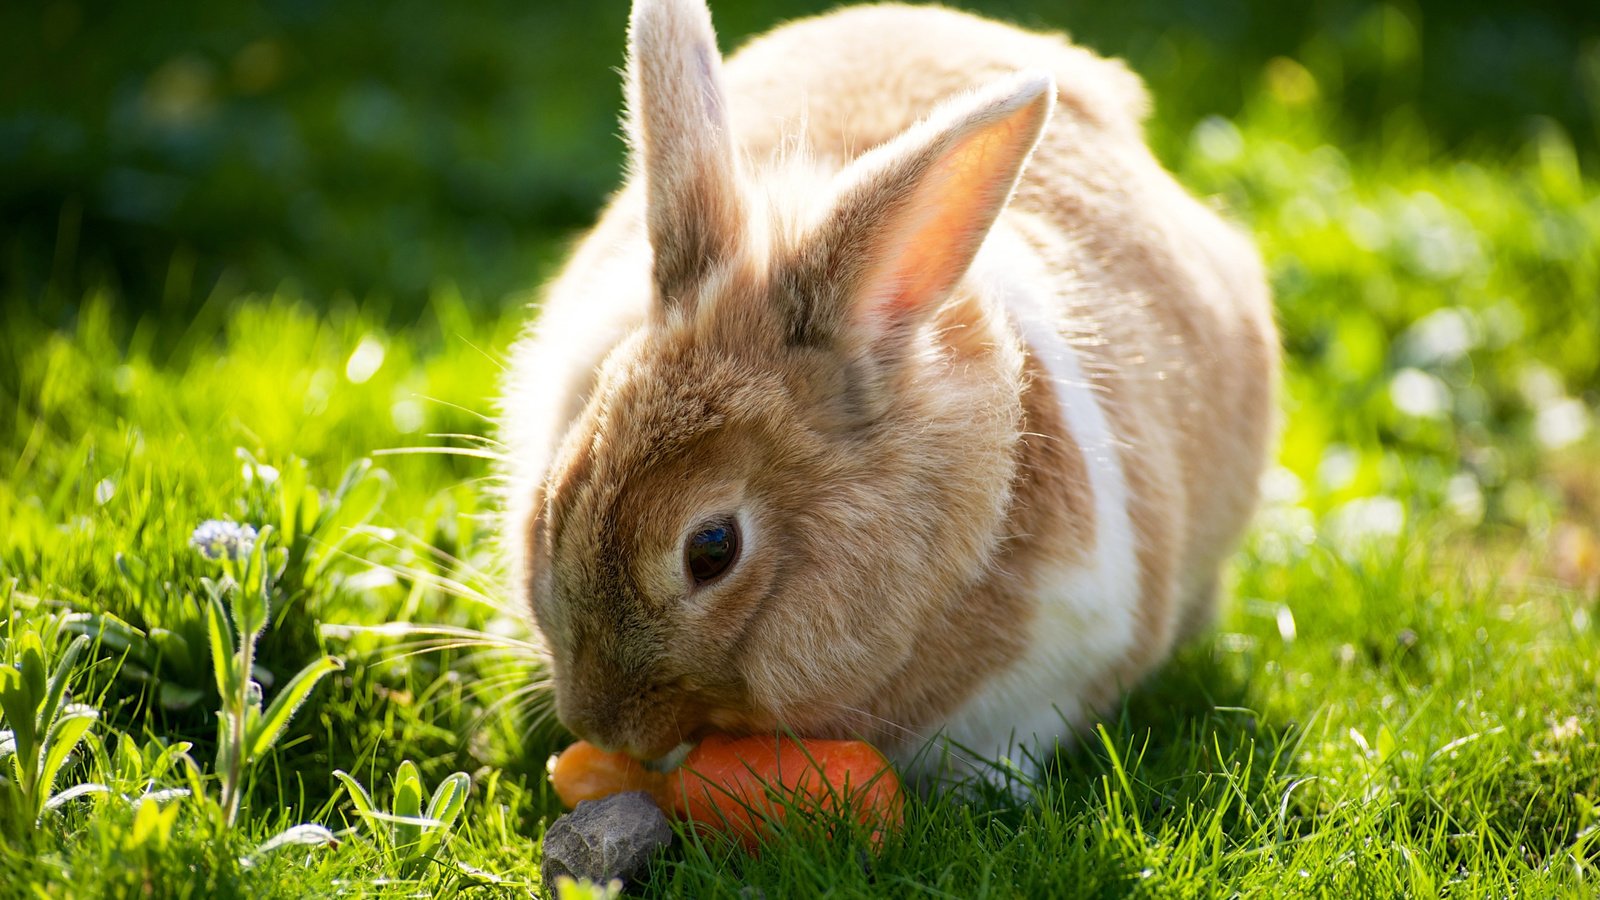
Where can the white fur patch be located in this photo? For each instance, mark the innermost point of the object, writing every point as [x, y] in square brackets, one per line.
[1086, 613]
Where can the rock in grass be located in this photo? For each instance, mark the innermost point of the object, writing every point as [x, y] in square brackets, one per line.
[605, 839]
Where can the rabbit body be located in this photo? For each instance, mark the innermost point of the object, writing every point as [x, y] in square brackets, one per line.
[987, 438]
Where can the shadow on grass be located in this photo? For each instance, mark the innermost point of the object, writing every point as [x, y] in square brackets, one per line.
[1180, 777]
[1181, 751]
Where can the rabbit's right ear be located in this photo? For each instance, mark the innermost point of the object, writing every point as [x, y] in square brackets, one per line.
[912, 216]
[681, 142]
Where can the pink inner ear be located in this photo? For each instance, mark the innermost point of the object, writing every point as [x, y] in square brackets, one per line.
[952, 207]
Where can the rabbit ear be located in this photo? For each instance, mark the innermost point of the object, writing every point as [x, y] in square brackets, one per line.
[914, 213]
[679, 134]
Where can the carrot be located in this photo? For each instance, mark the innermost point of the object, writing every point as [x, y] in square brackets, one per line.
[585, 772]
[738, 785]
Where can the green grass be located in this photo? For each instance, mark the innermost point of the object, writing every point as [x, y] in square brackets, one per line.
[1403, 697]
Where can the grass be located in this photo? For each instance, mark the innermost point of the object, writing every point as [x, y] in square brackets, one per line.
[1403, 698]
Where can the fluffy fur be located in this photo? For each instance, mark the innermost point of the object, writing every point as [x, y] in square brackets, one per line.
[902, 292]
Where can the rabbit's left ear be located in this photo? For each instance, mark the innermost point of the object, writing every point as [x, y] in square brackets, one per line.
[914, 213]
[681, 142]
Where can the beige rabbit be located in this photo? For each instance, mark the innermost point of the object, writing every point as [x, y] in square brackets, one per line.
[899, 394]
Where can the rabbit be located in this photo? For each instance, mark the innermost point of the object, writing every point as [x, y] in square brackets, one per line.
[898, 394]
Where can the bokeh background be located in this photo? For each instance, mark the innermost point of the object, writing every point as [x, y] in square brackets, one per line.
[1414, 171]
[379, 149]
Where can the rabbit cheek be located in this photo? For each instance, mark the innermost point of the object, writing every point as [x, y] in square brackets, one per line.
[538, 584]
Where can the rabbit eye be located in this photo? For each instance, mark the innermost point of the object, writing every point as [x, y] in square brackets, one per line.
[711, 551]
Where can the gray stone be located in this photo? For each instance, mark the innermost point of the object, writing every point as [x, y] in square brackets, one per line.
[604, 839]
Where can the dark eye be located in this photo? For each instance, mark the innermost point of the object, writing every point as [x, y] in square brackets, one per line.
[711, 551]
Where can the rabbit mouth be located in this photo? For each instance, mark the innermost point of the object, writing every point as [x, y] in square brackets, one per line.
[670, 760]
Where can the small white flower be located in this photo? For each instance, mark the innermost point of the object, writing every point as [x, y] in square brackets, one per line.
[218, 539]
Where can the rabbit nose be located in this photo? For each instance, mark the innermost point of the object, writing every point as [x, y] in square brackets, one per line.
[589, 717]
[657, 743]
[660, 752]
[613, 724]
[598, 726]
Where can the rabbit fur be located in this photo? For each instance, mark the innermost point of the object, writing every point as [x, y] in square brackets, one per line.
[902, 294]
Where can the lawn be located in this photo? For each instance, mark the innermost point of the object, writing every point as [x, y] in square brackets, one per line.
[1401, 698]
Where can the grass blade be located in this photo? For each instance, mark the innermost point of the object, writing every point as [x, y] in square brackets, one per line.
[18, 711]
[407, 803]
[221, 635]
[73, 793]
[449, 798]
[358, 794]
[264, 733]
[63, 737]
[307, 835]
[32, 667]
[58, 679]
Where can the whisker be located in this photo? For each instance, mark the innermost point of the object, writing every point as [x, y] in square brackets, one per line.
[538, 722]
[416, 648]
[455, 587]
[456, 406]
[378, 535]
[466, 636]
[493, 684]
[448, 585]
[462, 436]
[534, 698]
[442, 451]
[391, 658]
[385, 537]
[437, 553]
[497, 363]
[921, 737]
[537, 702]
[514, 701]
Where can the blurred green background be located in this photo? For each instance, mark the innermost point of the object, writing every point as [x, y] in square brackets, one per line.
[378, 150]
[1419, 176]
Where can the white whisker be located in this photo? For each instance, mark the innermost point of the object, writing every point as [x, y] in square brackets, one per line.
[462, 436]
[456, 633]
[456, 406]
[921, 738]
[442, 451]
[493, 361]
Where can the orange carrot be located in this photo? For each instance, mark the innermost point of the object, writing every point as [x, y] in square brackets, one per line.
[585, 772]
[737, 785]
